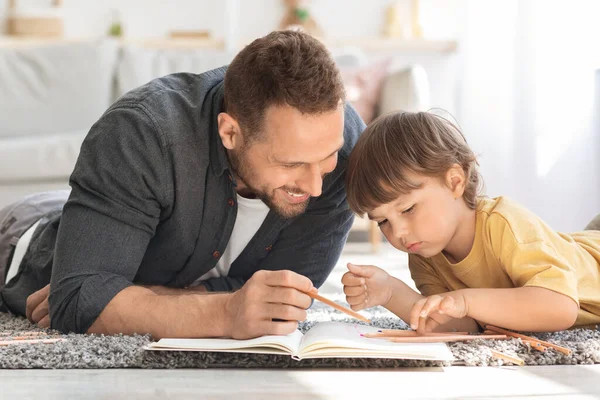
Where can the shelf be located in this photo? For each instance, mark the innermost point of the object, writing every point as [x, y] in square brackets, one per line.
[366, 44]
[393, 44]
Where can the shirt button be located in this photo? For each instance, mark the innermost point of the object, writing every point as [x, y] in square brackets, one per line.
[269, 248]
[216, 254]
[231, 202]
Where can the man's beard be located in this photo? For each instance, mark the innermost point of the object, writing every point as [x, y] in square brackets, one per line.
[240, 169]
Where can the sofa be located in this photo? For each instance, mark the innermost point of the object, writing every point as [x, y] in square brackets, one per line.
[51, 93]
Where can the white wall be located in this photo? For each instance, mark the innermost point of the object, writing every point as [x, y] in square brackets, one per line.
[154, 18]
[498, 87]
[526, 103]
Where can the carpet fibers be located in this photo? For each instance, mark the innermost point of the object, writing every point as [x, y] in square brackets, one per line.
[93, 351]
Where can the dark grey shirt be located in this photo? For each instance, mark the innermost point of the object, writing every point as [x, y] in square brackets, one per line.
[153, 202]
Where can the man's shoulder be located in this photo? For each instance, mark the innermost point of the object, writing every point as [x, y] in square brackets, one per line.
[353, 127]
[164, 93]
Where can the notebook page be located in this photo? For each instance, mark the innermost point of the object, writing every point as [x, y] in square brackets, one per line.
[328, 339]
[266, 344]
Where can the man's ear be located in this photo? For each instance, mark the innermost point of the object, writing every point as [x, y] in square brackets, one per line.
[456, 180]
[230, 132]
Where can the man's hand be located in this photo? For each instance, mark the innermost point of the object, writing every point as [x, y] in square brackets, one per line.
[430, 312]
[265, 297]
[366, 286]
[36, 307]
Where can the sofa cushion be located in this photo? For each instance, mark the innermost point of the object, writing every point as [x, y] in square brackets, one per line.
[39, 158]
[140, 64]
[55, 87]
[405, 89]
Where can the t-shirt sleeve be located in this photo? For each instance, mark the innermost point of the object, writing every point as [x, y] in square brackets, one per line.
[534, 262]
[426, 278]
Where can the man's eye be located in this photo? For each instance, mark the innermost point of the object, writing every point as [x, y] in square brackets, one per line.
[380, 223]
[290, 166]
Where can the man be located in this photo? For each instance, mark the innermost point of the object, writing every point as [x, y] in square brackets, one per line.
[201, 205]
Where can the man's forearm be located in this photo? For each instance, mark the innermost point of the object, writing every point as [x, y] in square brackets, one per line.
[138, 309]
[165, 290]
[525, 308]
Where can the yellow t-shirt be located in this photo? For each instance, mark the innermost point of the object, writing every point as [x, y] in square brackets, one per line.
[514, 248]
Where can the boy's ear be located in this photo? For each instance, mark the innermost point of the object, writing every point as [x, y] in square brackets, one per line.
[456, 180]
[230, 132]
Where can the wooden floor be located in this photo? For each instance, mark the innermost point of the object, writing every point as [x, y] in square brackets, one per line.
[543, 382]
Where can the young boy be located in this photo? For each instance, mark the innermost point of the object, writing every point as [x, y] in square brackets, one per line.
[475, 260]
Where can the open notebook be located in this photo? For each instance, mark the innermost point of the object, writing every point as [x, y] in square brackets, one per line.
[324, 340]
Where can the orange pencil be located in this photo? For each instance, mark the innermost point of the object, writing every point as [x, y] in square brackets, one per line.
[563, 350]
[445, 338]
[330, 303]
[506, 357]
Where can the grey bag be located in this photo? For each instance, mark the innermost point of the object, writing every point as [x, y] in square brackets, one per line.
[18, 217]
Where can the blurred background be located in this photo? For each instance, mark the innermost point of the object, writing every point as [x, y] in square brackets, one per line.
[520, 77]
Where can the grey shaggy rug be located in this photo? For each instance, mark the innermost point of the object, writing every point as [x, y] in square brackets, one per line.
[93, 351]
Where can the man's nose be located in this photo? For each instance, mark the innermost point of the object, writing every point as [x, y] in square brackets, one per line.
[313, 181]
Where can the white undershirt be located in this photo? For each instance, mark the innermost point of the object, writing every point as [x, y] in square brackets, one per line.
[250, 215]
[19, 252]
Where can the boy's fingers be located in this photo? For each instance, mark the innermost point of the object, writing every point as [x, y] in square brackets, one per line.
[431, 324]
[362, 270]
[415, 312]
[446, 305]
[350, 279]
[431, 305]
[356, 300]
[354, 290]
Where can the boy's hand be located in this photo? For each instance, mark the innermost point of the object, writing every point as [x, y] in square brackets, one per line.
[366, 286]
[430, 312]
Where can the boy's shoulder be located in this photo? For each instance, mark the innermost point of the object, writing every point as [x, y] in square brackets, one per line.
[502, 215]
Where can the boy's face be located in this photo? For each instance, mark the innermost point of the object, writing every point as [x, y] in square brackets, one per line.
[285, 167]
[425, 221]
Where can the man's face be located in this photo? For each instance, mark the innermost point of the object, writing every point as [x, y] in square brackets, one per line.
[285, 166]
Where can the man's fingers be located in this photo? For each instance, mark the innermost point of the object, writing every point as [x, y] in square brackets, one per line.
[285, 312]
[289, 296]
[44, 322]
[286, 278]
[352, 280]
[279, 327]
[34, 300]
[40, 311]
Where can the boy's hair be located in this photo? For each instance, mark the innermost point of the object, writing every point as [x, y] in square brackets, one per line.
[400, 143]
[283, 68]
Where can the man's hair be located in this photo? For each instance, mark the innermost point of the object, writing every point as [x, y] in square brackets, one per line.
[401, 143]
[283, 68]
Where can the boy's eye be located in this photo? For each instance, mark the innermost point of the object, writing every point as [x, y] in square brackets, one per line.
[409, 210]
[380, 223]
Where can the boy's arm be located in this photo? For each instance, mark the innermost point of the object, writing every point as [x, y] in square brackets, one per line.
[403, 299]
[529, 308]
